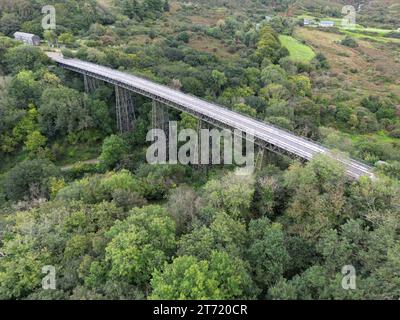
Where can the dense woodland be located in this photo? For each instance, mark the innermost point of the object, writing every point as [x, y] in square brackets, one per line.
[119, 228]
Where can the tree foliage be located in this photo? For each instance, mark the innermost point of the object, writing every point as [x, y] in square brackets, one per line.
[222, 277]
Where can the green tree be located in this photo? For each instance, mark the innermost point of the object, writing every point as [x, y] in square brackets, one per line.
[197, 243]
[193, 86]
[267, 253]
[25, 89]
[25, 57]
[222, 277]
[26, 125]
[98, 188]
[269, 194]
[302, 85]
[188, 122]
[35, 141]
[66, 38]
[218, 80]
[112, 151]
[20, 270]
[140, 244]
[245, 109]
[268, 45]
[273, 74]
[29, 179]
[224, 234]
[184, 37]
[317, 201]
[63, 111]
[232, 193]
[9, 23]
[5, 44]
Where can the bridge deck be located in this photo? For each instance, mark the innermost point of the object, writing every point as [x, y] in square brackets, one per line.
[282, 139]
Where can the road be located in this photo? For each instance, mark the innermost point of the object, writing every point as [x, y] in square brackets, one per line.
[282, 139]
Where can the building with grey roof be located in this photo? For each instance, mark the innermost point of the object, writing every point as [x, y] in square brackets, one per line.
[27, 38]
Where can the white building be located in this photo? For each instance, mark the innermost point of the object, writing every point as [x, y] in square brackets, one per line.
[308, 22]
[327, 24]
[27, 38]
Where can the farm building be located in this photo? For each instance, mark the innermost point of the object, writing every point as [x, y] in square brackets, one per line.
[27, 38]
[327, 24]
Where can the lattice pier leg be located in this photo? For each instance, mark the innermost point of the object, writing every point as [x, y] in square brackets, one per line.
[91, 84]
[125, 110]
[260, 159]
[160, 120]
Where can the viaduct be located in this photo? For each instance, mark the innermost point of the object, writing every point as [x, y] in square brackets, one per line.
[266, 136]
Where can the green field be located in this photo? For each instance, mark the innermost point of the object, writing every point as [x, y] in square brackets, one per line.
[298, 51]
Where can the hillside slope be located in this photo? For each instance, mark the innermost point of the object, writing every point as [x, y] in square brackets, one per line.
[383, 13]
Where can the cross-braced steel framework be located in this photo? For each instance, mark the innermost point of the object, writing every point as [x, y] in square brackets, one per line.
[160, 120]
[159, 117]
[201, 166]
[91, 84]
[125, 110]
[260, 159]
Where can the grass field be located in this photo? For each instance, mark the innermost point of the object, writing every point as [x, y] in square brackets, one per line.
[298, 51]
[371, 67]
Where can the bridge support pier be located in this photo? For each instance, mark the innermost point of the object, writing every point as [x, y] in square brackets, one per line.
[125, 110]
[160, 120]
[159, 117]
[259, 162]
[91, 84]
[201, 166]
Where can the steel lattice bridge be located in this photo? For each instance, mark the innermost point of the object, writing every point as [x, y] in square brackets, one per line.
[266, 136]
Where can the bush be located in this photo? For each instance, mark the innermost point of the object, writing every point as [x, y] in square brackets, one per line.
[113, 149]
[121, 186]
[184, 36]
[349, 42]
[25, 57]
[29, 180]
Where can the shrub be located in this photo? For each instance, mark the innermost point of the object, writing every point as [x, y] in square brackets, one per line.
[29, 179]
[349, 42]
